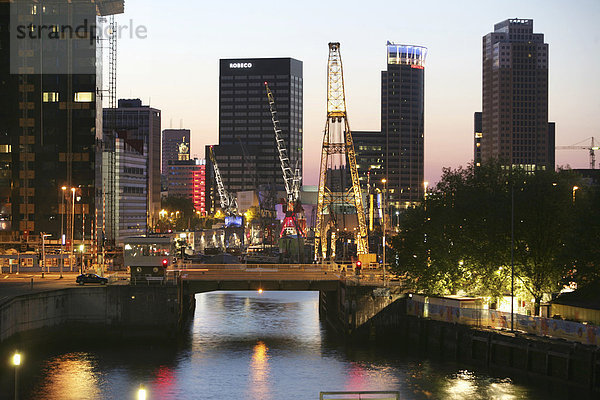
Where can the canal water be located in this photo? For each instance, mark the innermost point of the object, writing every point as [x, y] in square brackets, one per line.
[246, 345]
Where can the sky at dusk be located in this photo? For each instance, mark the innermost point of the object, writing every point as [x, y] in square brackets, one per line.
[175, 68]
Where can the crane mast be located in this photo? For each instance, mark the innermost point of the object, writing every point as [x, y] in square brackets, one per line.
[337, 145]
[227, 201]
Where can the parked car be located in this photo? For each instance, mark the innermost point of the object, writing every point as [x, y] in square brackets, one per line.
[91, 278]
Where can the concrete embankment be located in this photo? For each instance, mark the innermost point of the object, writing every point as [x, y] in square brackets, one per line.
[112, 312]
[366, 317]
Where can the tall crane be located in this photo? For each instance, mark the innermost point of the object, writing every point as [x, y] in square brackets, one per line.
[592, 149]
[338, 146]
[227, 200]
[290, 179]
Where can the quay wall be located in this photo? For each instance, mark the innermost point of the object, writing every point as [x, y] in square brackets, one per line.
[118, 311]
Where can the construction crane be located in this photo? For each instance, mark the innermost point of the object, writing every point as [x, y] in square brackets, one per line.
[291, 179]
[592, 149]
[337, 145]
[227, 200]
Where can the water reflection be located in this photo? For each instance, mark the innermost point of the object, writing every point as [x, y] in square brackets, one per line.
[71, 376]
[259, 386]
[243, 345]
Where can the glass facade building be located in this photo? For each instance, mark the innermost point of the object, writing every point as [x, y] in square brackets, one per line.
[402, 123]
[50, 121]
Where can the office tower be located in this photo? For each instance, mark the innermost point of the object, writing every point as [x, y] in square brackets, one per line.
[187, 179]
[245, 127]
[515, 97]
[50, 119]
[370, 155]
[402, 123]
[172, 139]
[477, 134]
[131, 183]
[138, 124]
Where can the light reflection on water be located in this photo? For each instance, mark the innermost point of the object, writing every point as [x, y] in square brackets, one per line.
[245, 345]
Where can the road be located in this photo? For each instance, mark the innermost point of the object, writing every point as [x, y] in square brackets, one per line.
[18, 284]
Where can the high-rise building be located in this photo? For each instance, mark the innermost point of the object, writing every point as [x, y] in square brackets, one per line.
[172, 139]
[131, 161]
[187, 179]
[50, 118]
[477, 134]
[402, 123]
[370, 155]
[139, 124]
[245, 126]
[515, 97]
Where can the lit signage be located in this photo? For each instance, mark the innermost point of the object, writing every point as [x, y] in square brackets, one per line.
[240, 65]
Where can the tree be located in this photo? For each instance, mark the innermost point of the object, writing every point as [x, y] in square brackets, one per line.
[459, 238]
[543, 221]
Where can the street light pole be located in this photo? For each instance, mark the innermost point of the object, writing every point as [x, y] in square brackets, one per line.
[62, 234]
[72, 228]
[384, 181]
[512, 256]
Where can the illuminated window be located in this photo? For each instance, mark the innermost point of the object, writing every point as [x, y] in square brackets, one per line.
[50, 97]
[5, 148]
[84, 97]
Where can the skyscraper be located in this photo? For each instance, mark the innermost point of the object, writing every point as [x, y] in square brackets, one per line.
[171, 141]
[245, 127]
[515, 97]
[402, 123]
[50, 117]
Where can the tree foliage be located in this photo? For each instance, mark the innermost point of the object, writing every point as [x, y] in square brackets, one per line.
[459, 238]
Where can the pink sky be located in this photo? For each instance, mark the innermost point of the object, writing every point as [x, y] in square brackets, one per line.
[176, 67]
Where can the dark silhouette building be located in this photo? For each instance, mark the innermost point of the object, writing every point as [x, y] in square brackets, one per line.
[402, 123]
[247, 152]
[515, 97]
[50, 120]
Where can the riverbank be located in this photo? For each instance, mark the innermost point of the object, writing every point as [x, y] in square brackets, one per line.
[539, 359]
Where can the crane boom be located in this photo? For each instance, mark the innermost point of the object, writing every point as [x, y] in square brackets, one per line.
[592, 149]
[290, 179]
[227, 201]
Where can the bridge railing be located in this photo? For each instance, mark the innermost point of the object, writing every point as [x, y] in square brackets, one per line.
[329, 272]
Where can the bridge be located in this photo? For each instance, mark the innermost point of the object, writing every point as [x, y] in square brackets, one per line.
[319, 277]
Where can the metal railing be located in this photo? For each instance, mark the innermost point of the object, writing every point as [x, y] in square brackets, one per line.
[494, 319]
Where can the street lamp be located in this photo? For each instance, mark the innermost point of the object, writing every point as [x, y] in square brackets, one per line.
[72, 227]
[16, 360]
[575, 188]
[384, 181]
[62, 235]
[141, 394]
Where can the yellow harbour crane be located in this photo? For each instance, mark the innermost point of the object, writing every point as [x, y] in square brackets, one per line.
[338, 147]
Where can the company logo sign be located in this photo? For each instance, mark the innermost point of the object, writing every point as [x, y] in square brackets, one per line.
[240, 65]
